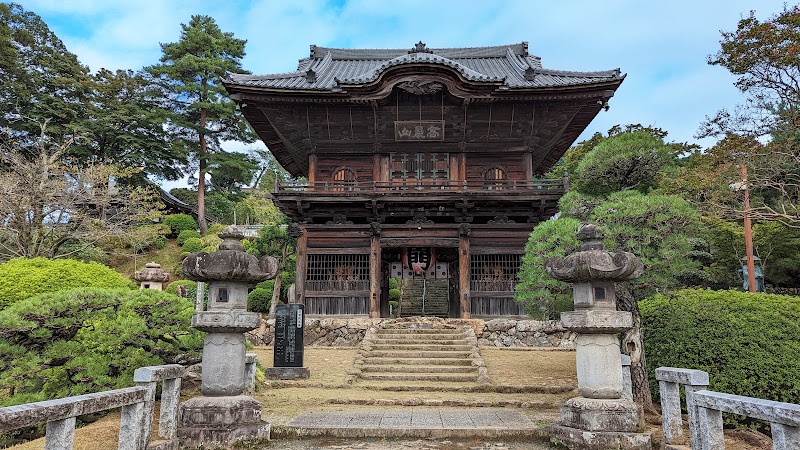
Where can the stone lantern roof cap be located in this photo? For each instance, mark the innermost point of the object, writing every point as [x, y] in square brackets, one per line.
[229, 263]
[152, 272]
[593, 262]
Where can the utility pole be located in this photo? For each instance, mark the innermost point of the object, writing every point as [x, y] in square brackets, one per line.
[748, 234]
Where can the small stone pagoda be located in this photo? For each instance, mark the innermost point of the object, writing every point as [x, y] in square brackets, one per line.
[222, 415]
[151, 277]
[600, 418]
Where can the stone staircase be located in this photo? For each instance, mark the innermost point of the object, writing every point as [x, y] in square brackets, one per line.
[408, 352]
[436, 294]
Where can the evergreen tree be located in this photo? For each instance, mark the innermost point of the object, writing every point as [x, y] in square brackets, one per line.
[189, 77]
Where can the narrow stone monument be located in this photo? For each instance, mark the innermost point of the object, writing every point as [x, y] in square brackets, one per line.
[288, 345]
[601, 417]
[222, 415]
[151, 277]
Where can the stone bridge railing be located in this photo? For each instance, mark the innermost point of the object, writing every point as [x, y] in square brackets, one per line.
[137, 406]
[705, 410]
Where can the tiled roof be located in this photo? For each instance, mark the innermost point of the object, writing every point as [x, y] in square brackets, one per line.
[333, 68]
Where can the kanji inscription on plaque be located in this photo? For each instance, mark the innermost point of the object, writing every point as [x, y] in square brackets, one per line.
[419, 130]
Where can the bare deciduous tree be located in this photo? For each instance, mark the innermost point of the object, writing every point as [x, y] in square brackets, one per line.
[49, 201]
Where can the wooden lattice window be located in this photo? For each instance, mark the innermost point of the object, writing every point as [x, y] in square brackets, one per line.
[337, 272]
[496, 178]
[493, 273]
[343, 179]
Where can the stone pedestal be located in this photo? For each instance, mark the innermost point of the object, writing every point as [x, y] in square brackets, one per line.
[288, 373]
[223, 415]
[600, 418]
[220, 421]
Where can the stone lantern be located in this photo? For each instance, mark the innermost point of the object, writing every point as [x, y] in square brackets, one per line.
[222, 415]
[600, 418]
[151, 277]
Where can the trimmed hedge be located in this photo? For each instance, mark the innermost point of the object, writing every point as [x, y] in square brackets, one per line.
[180, 222]
[89, 340]
[186, 234]
[748, 343]
[22, 278]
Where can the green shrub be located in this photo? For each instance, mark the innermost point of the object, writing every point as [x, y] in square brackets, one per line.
[192, 245]
[259, 299]
[22, 278]
[180, 222]
[191, 288]
[394, 283]
[186, 234]
[89, 340]
[748, 343]
[394, 294]
[148, 237]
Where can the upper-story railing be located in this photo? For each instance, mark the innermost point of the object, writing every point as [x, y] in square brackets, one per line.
[471, 186]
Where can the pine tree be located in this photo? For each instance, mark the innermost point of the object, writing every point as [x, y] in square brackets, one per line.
[189, 78]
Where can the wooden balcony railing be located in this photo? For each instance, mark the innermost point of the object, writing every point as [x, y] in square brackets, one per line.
[471, 186]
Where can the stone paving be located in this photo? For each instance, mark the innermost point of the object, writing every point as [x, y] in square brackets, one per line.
[417, 422]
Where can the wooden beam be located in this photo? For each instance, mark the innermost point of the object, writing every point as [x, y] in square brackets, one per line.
[375, 276]
[464, 274]
[312, 168]
[301, 267]
[527, 165]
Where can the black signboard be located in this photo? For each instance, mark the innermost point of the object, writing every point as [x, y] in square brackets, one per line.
[288, 345]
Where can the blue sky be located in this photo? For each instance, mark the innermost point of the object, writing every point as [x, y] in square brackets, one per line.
[661, 45]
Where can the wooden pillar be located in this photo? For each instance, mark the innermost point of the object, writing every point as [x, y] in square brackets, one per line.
[464, 271]
[301, 267]
[375, 272]
[376, 167]
[312, 168]
[527, 165]
[462, 166]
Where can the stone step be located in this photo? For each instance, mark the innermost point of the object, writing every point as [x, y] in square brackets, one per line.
[420, 361]
[424, 347]
[417, 354]
[414, 331]
[420, 341]
[418, 369]
[388, 376]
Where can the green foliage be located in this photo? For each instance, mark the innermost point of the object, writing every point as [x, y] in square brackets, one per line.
[539, 294]
[656, 228]
[394, 294]
[230, 171]
[192, 245]
[147, 237]
[748, 343]
[22, 278]
[626, 161]
[180, 222]
[186, 234]
[260, 298]
[394, 283]
[41, 79]
[89, 340]
[191, 288]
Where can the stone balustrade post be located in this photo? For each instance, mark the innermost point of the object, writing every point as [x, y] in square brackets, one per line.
[60, 434]
[132, 426]
[627, 385]
[170, 378]
[250, 372]
[669, 381]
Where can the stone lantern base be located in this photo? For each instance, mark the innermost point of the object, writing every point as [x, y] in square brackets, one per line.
[220, 421]
[599, 424]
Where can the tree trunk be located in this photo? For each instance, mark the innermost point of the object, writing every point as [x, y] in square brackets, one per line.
[201, 177]
[276, 294]
[633, 346]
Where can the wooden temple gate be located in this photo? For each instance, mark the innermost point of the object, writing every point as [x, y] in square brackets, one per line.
[408, 150]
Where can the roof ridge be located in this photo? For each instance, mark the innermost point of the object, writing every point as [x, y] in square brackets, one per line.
[595, 73]
[415, 58]
[496, 51]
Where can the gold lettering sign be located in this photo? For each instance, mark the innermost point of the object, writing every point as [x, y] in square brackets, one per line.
[419, 130]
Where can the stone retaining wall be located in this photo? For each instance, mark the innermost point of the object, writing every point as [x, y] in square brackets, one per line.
[349, 332]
